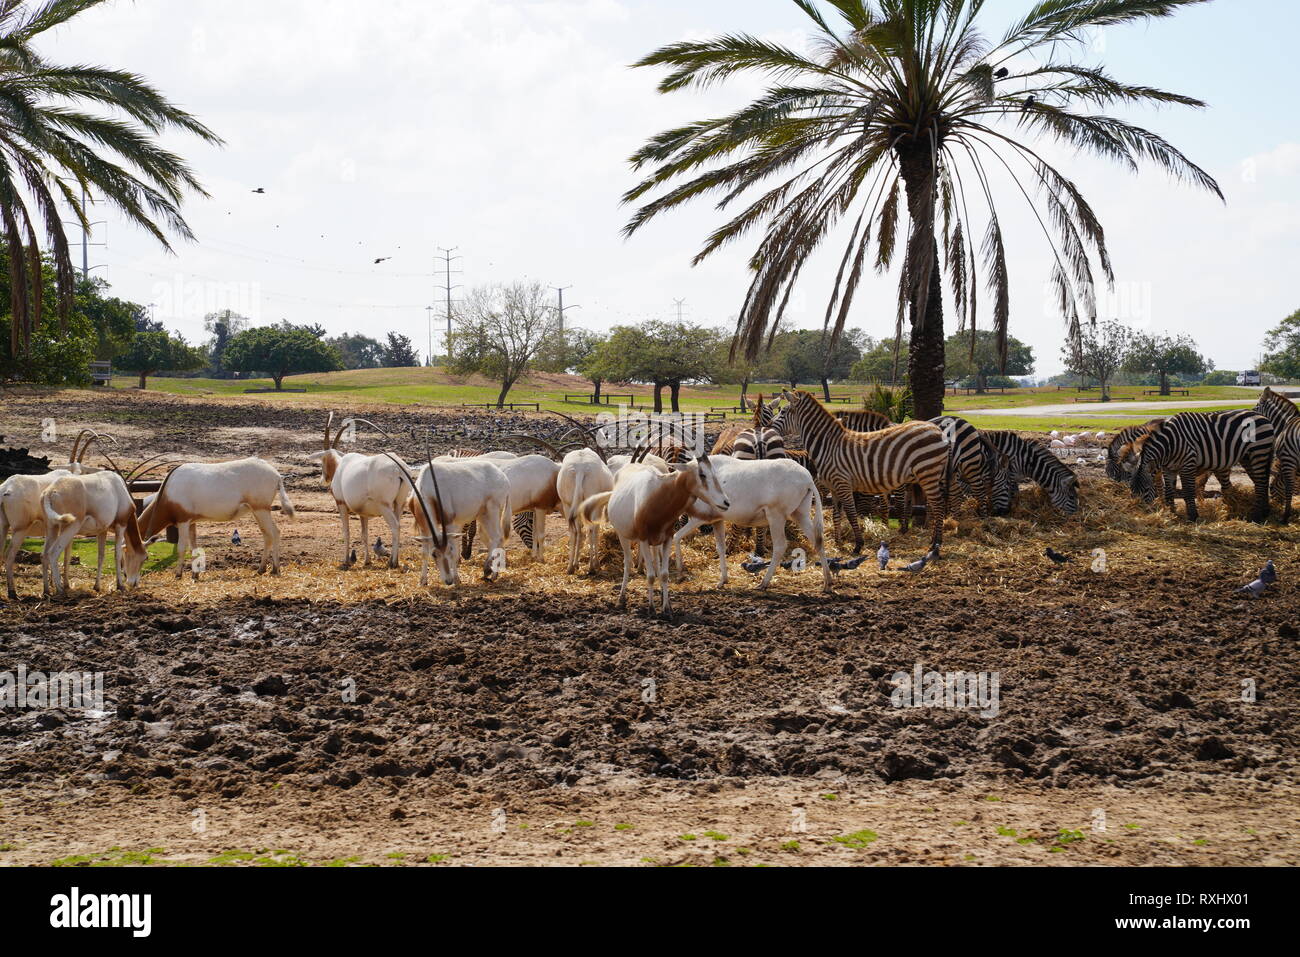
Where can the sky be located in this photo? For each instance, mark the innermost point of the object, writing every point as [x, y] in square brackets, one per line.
[502, 128]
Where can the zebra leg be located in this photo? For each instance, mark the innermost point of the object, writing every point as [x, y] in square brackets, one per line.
[1168, 478]
[904, 508]
[1286, 478]
[1188, 478]
[467, 543]
[934, 511]
[844, 493]
[1260, 472]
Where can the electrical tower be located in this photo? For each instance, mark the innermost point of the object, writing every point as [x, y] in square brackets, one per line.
[679, 303]
[86, 267]
[560, 309]
[447, 259]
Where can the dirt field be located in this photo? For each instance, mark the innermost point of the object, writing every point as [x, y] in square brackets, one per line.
[339, 717]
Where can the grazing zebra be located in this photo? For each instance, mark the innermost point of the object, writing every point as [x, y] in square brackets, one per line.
[1121, 452]
[848, 461]
[975, 464]
[1033, 461]
[1284, 415]
[1193, 442]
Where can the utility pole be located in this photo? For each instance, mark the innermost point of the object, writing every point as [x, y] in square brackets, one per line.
[679, 303]
[429, 315]
[560, 309]
[447, 259]
[87, 202]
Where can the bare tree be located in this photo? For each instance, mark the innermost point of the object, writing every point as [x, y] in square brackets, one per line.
[500, 329]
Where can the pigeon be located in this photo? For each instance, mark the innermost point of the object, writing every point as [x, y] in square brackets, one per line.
[380, 550]
[1254, 589]
[1001, 74]
[235, 539]
[754, 564]
[352, 559]
[882, 556]
[924, 560]
[259, 190]
[1268, 574]
[838, 565]
[1057, 556]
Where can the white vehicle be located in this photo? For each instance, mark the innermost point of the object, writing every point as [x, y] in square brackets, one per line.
[1249, 377]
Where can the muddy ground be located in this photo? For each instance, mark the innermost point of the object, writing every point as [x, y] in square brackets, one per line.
[337, 716]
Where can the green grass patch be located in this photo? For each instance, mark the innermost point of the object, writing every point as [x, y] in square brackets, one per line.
[857, 838]
[86, 551]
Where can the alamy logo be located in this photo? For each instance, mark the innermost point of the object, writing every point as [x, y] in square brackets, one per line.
[74, 909]
[59, 689]
[973, 690]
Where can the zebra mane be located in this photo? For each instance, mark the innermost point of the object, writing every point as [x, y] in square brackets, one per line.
[1277, 407]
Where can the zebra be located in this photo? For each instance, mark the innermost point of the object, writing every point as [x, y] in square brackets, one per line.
[1033, 461]
[875, 462]
[975, 464]
[1121, 451]
[1284, 415]
[1192, 442]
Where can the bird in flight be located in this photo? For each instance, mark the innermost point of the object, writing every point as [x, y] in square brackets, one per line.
[259, 190]
[382, 259]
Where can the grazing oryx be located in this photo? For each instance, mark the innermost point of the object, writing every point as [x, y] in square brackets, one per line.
[582, 474]
[198, 491]
[761, 492]
[448, 494]
[368, 486]
[644, 507]
[22, 514]
[90, 504]
[532, 490]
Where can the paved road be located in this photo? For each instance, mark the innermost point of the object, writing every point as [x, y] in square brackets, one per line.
[1094, 409]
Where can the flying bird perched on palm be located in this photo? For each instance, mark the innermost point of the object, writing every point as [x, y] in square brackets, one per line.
[890, 132]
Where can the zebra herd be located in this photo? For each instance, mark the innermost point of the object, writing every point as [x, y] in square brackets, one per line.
[864, 463]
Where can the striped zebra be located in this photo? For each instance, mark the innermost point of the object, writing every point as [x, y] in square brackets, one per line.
[1193, 442]
[1284, 415]
[1121, 459]
[879, 462]
[975, 464]
[1034, 462]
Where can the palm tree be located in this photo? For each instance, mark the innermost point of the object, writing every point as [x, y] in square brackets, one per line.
[76, 133]
[907, 103]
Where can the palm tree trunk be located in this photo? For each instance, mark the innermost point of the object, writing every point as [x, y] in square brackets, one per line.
[925, 362]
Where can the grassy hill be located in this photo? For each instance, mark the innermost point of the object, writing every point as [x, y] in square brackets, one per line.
[434, 387]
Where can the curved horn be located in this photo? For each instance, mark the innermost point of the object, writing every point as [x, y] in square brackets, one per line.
[334, 443]
[328, 423]
[76, 445]
[437, 496]
[586, 431]
[344, 424]
[424, 507]
[94, 437]
[140, 470]
[532, 438]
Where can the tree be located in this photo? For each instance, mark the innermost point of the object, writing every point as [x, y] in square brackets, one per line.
[500, 330]
[279, 351]
[1282, 349]
[585, 355]
[400, 352]
[985, 360]
[358, 351]
[879, 364]
[112, 319]
[810, 355]
[903, 107]
[154, 352]
[53, 138]
[1100, 353]
[1165, 356]
[664, 354]
[224, 325]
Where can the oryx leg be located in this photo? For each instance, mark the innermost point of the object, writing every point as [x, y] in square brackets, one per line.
[270, 538]
[100, 540]
[810, 524]
[365, 538]
[345, 520]
[776, 526]
[394, 520]
[627, 571]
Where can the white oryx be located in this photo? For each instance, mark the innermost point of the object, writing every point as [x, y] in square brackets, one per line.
[644, 507]
[448, 493]
[198, 491]
[533, 489]
[368, 486]
[22, 515]
[762, 493]
[582, 474]
[92, 504]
